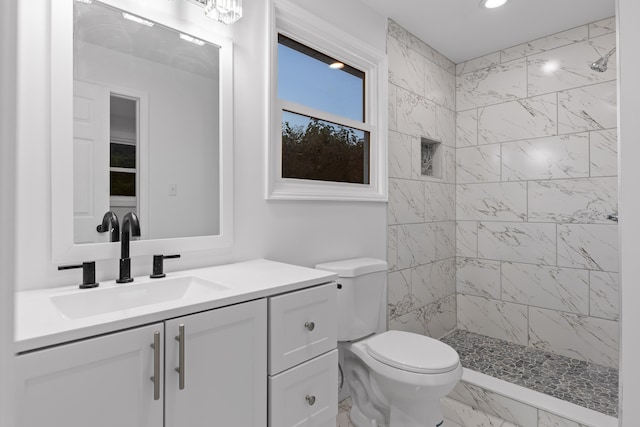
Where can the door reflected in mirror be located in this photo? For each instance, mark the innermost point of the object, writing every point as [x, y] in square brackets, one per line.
[145, 126]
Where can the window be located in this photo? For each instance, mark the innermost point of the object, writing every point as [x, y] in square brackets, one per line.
[123, 159]
[328, 140]
[313, 148]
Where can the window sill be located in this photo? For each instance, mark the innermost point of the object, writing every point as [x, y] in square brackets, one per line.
[297, 189]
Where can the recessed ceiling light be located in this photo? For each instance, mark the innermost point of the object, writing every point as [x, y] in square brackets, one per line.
[190, 39]
[337, 65]
[491, 4]
[137, 19]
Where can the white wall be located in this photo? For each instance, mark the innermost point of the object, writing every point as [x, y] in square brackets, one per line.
[628, 14]
[297, 232]
[352, 17]
[7, 211]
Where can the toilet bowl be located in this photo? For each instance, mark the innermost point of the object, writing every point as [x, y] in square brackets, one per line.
[395, 378]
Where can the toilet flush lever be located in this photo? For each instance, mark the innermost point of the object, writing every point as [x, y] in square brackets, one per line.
[310, 326]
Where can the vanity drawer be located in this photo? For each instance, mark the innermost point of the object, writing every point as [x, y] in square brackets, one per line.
[306, 395]
[302, 325]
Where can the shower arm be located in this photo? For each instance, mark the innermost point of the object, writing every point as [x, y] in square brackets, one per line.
[610, 53]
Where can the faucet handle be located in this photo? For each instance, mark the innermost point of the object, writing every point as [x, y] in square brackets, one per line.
[88, 274]
[158, 265]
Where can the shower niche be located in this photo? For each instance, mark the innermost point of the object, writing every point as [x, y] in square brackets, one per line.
[430, 158]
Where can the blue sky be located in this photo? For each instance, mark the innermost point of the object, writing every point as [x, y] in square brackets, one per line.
[308, 81]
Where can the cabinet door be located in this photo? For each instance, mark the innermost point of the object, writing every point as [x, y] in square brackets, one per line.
[98, 382]
[224, 368]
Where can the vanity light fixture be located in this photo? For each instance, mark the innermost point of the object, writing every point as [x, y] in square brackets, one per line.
[225, 11]
[137, 19]
[492, 4]
[190, 39]
[337, 65]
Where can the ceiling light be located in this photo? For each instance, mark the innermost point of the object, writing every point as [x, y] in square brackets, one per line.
[491, 4]
[193, 40]
[84, 1]
[137, 19]
[225, 11]
[337, 65]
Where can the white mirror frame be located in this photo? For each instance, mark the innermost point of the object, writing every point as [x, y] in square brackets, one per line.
[182, 16]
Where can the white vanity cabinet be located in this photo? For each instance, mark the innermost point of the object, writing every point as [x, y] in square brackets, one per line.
[106, 381]
[98, 382]
[303, 359]
[225, 368]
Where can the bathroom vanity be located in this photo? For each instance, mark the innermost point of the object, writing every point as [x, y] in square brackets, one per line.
[215, 346]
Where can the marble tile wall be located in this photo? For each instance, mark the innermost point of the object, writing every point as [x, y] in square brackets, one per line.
[471, 406]
[421, 212]
[537, 259]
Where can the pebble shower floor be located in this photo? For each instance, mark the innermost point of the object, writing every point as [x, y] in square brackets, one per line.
[586, 384]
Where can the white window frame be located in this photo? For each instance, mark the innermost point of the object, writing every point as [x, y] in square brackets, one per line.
[300, 25]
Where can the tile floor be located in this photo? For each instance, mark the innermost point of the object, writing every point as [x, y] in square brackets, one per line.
[342, 420]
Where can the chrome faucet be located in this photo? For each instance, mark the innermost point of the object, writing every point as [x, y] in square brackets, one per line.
[130, 227]
[110, 223]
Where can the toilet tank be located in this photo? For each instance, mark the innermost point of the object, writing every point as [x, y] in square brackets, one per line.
[362, 296]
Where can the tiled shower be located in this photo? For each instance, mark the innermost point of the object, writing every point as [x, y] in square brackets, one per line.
[526, 178]
[536, 178]
[421, 212]
[529, 175]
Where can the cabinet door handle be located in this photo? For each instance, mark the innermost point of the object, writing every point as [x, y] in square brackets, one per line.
[180, 368]
[156, 365]
[310, 326]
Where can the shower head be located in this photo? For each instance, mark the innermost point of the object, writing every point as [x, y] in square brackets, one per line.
[601, 64]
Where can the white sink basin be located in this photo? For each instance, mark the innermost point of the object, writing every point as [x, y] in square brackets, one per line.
[92, 302]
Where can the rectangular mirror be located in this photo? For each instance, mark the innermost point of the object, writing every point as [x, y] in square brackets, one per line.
[149, 113]
[143, 91]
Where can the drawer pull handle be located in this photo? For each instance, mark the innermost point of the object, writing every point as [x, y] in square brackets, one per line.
[181, 361]
[156, 365]
[310, 326]
[310, 399]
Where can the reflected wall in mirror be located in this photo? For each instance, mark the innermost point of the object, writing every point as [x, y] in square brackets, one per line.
[146, 126]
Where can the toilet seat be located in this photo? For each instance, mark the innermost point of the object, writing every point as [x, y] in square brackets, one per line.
[412, 352]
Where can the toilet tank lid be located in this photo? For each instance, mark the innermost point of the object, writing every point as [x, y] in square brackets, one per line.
[354, 267]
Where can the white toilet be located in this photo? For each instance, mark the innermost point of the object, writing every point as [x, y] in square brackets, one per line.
[396, 378]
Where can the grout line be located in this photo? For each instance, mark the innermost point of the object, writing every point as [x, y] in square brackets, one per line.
[557, 244]
[589, 154]
[557, 113]
[589, 293]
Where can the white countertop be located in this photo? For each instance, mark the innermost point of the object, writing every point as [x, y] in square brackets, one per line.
[40, 324]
